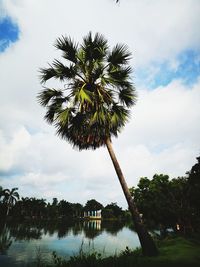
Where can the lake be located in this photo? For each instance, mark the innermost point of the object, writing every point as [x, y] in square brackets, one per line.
[20, 244]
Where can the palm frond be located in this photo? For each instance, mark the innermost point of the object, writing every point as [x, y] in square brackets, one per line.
[63, 72]
[52, 112]
[120, 74]
[47, 74]
[64, 116]
[46, 95]
[97, 72]
[122, 113]
[101, 42]
[84, 95]
[68, 47]
[119, 55]
[49, 116]
[127, 96]
[94, 49]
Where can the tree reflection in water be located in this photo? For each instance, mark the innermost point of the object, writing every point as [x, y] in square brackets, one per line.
[27, 233]
[35, 230]
[112, 227]
[5, 240]
[92, 228]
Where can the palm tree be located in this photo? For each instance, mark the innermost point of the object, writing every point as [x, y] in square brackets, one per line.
[10, 198]
[93, 105]
[1, 192]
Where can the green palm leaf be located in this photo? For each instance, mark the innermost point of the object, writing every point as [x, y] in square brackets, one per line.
[63, 72]
[119, 55]
[127, 97]
[94, 49]
[68, 47]
[47, 74]
[47, 94]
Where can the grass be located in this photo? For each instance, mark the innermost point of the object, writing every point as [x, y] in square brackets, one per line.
[173, 252]
[177, 252]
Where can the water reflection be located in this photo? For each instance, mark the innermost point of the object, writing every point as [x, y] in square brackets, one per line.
[30, 231]
[24, 232]
[5, 240]
[92, 228]
[113, 227]
[33, 231]
[19, 240]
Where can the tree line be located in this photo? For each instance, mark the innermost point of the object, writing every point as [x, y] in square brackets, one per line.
[30, 207]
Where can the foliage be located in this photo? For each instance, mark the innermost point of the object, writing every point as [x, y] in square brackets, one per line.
[194, 189]
[172, 203]
[93, 205]
[10, 197]
[34, 208]
[112, 210]
[93, 105]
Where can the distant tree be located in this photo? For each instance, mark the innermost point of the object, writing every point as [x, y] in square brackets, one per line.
[55, 201]
[32, 207]
[113, 209]
[194, 192]
[1, 202]
[77, 209]
[10, 197]
[108, 214]
[65, 208]
[94, 104]
[93, 205]
[1, 192]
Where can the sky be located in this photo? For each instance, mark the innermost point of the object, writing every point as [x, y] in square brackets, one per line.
[162, 135]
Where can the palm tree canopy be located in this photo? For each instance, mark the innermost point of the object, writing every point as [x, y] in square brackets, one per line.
[94, 103]
[10, 196]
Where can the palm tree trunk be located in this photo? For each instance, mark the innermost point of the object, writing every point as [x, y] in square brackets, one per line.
[148, 246]
[8, 207]
[7, 212]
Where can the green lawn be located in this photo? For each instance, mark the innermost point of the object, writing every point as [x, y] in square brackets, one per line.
[174, 252]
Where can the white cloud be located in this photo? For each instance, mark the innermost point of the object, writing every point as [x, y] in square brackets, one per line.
[12, 150]
[41, 179]
[153, 31]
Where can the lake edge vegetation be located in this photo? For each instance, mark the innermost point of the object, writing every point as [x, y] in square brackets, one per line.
[173, 252]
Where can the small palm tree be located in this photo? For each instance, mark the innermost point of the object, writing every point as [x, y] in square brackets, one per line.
[10, 197]
[93, 105]
[1, 192]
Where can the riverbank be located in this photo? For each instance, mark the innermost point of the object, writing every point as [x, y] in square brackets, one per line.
[173, 252]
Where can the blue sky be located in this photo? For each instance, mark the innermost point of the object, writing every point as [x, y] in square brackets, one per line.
[186, 67]
[9, 33]
[163, 133]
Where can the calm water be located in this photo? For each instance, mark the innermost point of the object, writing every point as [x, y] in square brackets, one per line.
[20, 244]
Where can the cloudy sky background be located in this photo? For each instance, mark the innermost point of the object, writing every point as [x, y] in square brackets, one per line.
[163, 133]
